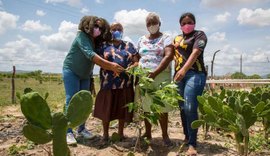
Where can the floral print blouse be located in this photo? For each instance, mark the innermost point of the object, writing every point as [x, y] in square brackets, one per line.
[121, 55]
[152, 51]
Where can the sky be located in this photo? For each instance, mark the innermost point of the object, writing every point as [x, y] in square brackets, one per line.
[37, 34]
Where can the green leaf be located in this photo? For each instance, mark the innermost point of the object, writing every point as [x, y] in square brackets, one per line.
[240, 122]
[197, 123]
[201, 99]
[259, 107]
[253, 99]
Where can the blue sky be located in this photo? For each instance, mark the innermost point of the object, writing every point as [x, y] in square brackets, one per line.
[37, 34]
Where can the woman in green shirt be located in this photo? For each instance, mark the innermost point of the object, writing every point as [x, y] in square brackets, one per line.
[80, 61]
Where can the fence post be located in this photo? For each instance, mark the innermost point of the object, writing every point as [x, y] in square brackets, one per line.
[13, 86]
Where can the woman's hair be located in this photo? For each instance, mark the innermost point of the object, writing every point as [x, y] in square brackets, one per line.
[116, 24]
[87, 25]
[106, 35]
[187, 14]
[152, 15]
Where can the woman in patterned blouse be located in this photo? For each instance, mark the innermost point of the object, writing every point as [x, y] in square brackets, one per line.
[116, 89]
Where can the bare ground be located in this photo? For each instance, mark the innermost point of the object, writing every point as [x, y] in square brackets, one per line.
[13, 142]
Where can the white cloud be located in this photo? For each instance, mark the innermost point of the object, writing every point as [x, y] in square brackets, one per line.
[31, 25]
[133, 21]
[69, 2]
[258, 17]
[218, 36]
[7, 21]
[27, 55]
[228, 60]
[205, 29]
[216, 3]
[40, 13]
[223, 17]
[99, 1]
[61, 41]
[84, 11]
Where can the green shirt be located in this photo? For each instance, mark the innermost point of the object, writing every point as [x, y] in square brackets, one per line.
[80, 56]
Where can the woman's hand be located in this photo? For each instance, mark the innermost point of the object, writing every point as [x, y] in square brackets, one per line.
[179, 75]
[152, 75]
[116, 68]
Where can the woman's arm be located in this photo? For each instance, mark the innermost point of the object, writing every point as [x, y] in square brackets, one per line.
[191, 60]
[107, 64]
[168, 57]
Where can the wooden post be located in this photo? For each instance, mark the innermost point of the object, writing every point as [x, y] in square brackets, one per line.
[13, 86]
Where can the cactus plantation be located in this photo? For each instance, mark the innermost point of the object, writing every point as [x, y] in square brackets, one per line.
[44, 126]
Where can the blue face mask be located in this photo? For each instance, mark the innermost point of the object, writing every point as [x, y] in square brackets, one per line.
[117, 35]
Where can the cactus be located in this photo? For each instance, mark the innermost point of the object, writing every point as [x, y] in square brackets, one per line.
[234, 111]
[40, 120]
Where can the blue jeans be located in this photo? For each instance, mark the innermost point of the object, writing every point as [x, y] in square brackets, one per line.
[190, 87]
[74, 84]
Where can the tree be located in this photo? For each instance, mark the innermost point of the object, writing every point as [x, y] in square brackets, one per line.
[254, 76]
[238, 75]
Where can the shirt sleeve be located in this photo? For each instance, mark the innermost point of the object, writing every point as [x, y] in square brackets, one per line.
[167, 40]
[200, 41]
[85, 45]
[132, 49]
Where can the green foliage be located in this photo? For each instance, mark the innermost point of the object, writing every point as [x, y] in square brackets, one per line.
[165, 93]
[38, 114]
[238, 75]
[258, 143]
[254, 76]
[235, 111]
[15, 150]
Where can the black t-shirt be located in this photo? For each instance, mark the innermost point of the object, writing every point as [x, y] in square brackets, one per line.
[184, 44]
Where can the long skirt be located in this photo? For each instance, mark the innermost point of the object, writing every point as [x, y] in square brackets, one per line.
[111, 104]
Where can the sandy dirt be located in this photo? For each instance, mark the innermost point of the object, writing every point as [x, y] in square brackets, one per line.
[216, 144]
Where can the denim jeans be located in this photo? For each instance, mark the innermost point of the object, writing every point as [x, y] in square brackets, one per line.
[190, 87]
[74, 84]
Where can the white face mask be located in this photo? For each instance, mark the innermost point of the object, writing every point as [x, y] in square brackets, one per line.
[153, 28]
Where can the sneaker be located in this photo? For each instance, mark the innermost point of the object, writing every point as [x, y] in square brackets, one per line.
[71, 139]
[86, 134]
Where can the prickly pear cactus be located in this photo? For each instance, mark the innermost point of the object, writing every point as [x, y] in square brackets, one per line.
[79, 108]
[36, 110]
[38, 114]
[36, 134]
[60, 126]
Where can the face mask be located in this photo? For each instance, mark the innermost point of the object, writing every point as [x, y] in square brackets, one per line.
[188, 28]
[117, 35]
[153, 28]
[96, 32]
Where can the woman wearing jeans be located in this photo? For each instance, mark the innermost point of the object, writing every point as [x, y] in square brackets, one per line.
[190, 74]
[80, 61]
